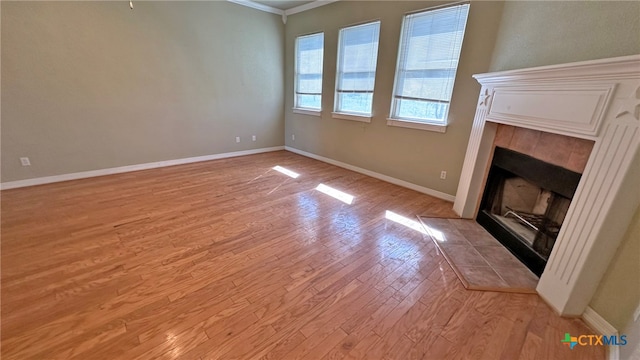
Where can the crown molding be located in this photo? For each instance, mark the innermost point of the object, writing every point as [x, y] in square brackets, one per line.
[283, 13]
[309, 6]
[258, 6]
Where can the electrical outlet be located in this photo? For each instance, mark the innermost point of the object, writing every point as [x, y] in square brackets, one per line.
[25, 161]
[443, 175]
[293, 137]
[237, 139]
[253, 138]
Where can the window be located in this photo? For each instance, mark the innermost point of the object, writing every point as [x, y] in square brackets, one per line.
[308, 73]
[428, 57]
[356, 68]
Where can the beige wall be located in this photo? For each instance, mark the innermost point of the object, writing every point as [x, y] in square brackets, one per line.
[618, 294]
[416, 156]
[536, 33]
[92, 85]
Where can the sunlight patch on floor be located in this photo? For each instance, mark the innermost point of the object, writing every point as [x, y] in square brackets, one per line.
[402, 220]
[335, 193]
[286, 171]
[436, 234]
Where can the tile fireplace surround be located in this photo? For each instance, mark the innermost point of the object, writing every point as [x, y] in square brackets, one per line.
[595, 100]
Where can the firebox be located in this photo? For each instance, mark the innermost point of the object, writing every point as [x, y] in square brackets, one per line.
[524, 204]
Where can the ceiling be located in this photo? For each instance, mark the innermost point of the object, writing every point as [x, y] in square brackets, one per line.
[282, 4]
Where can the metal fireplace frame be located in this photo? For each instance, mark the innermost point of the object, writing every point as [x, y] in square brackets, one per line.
[547, 176]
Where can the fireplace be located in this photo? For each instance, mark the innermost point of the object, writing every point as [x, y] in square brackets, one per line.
[596, 100]
[524, 205]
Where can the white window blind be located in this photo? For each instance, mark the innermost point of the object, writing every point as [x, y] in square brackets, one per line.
[308, 71]
[428, 57]
[357, 58]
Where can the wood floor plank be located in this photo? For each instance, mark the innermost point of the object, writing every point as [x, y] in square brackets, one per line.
[403, 307]
[530, 347]
[230, 259]
[276, 350]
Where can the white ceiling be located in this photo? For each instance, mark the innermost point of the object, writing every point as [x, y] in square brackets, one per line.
[282, 4]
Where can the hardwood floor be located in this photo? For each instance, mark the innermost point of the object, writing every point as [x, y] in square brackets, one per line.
[230, 259]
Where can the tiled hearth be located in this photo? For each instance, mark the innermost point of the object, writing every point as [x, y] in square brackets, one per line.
[479, 260]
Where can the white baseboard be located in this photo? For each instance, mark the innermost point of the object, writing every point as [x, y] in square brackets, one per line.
[406, 184]
[123, 169]
[601, 326]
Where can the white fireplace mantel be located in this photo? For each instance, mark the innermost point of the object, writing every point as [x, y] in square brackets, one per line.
[597, 100]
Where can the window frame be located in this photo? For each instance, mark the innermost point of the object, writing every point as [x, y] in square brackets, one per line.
[296, 107]
[347, 114]
[419, 123]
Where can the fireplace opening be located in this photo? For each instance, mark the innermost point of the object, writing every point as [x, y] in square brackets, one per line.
[524, 205]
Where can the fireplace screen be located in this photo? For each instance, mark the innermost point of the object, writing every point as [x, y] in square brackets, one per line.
[525, 203]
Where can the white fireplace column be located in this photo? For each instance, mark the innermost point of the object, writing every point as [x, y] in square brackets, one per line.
[597, 100]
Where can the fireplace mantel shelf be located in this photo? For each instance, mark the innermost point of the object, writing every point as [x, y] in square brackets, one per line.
[596, 100]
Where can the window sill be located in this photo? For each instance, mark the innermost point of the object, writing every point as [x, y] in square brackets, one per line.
[311, 112]
[352, 117]
[417, 125]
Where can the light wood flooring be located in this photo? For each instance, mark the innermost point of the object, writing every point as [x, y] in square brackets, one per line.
[230, 259]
